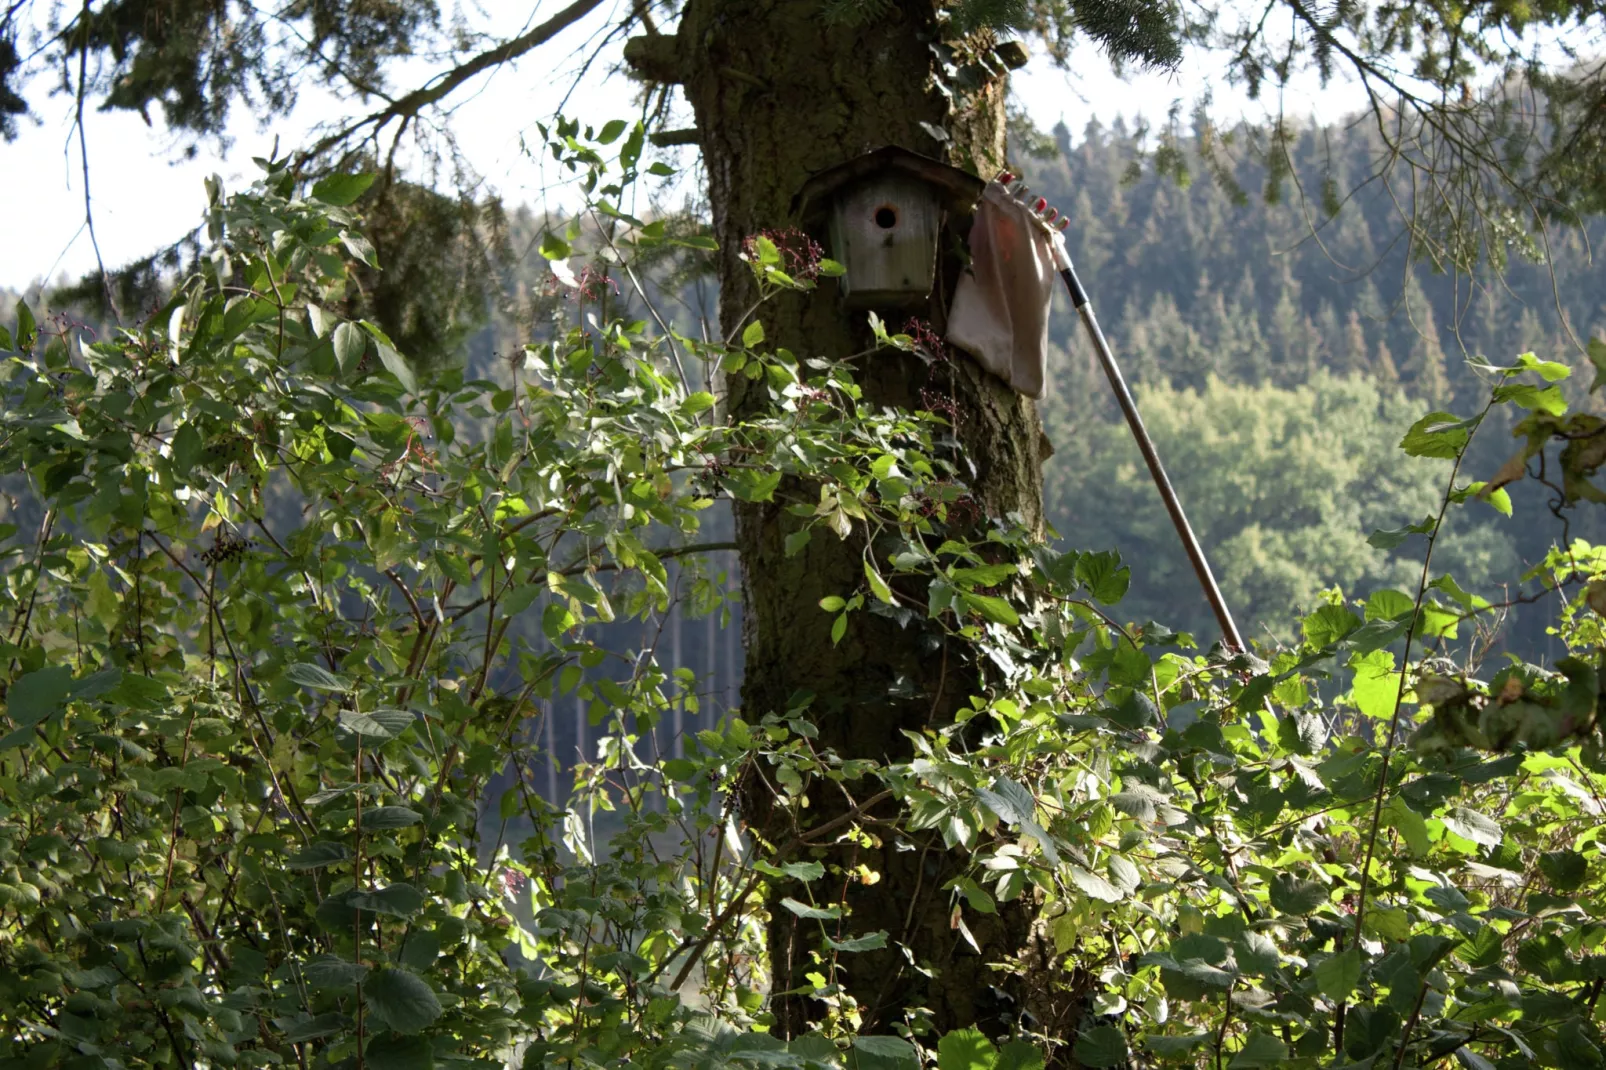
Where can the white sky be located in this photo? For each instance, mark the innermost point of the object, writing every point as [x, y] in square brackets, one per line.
[146, 194]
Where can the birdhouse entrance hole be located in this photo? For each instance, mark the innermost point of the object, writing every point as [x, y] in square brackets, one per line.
[884, 211]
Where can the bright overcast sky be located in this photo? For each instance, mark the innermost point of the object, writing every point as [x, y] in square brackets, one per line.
[146, 194]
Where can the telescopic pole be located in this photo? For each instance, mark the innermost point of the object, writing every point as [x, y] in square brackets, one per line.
[1129, 408]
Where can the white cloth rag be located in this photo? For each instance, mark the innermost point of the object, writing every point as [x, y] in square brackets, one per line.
[1000, 310]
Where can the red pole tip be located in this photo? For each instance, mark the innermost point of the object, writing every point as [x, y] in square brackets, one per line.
[1039, 204]
[1051, 215]
[1063, 225]
[1004, 178]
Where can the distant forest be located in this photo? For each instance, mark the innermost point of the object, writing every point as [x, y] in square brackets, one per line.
[1279, 354]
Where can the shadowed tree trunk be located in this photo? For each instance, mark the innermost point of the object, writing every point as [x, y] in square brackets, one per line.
[779, 95]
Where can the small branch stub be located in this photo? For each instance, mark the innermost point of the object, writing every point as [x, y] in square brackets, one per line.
[657, 58]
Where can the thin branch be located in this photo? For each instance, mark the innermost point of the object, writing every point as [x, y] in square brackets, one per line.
[83, 154]
[410, 104]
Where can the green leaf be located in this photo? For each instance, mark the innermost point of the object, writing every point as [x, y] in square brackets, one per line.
[753, 334]
[832, 603]
[389, 817]
[317, 855]
[696, 403]
[800, 871]
[878, 586]
[1256, 953]
[1328, 625]
[1471, 825]
[611, 131]
[884, 1053]
[1337, 975]
[360, 247]
[397, 365]
[299, 1032]
[1388, 604]
[966, 1049]
[27, 330]
[1549, 370]
[1291, 895]
[315, 677]
[554, 247]
[1260, 1050]
[1175, 1047]
[803, 910]
[1597, 357]
[871, 942]
[1438, 434]
[1564, 869]
[991, 607]
[187, 447]
[377, 724]
[795, 541]
[389, 1052]
[1411, 826]
[420, 951]
[1389, 539]
[401, 1000]
[39, 694]
[341, 190]
[328, 971]
[1102, 1045]
[1388, 923]
[1377, 685]
[397, 900]
[1095, 886]
[349, 344]
[1019, 1055]
[1104, 576]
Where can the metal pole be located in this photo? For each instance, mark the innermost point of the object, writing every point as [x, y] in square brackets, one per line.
[1129, 408]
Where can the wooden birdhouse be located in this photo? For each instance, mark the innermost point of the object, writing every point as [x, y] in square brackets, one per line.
[884, 212]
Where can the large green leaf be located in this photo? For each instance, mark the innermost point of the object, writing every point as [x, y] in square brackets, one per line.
[1260, 1050]
[1291, 895]
[390, 1052]
[883, 1053]
[966, 1049]
[316, 677]
[1337, 975]
[401, 1000]
[341, 190]
[380, 818]
[1101, 1046]
[39, 694]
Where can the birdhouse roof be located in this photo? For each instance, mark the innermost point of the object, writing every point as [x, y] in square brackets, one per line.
[957, 189]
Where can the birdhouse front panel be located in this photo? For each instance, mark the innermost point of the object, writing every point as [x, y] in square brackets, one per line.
[884, 232]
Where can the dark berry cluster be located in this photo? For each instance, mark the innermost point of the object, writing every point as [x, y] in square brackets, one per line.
[942, 405]
[225, 548]
[926, 339]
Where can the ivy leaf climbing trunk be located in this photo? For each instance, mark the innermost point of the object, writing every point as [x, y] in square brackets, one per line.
[781, 92]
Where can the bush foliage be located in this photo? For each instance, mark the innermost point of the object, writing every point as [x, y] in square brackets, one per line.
[264, 794]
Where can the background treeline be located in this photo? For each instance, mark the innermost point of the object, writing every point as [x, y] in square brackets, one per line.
[1279, 353]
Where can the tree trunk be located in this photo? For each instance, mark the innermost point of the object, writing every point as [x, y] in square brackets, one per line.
[780, 94]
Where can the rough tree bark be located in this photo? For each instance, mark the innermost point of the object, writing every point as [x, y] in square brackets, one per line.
[780, 94]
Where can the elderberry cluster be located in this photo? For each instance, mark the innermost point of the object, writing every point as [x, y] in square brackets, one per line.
[225, 548]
